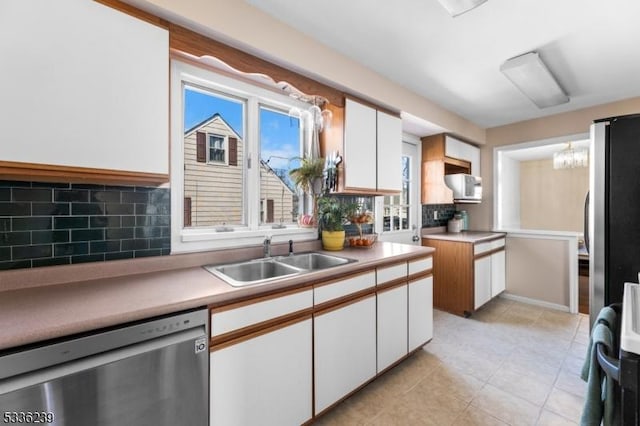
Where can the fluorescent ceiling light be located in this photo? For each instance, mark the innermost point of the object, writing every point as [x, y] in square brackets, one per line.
[458, 7]
[533, 78]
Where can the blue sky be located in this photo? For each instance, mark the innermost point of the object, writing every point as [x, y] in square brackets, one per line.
[279, 133]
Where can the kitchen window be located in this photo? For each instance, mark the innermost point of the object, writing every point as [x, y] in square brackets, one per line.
[217, 120]
[398, 213]
[217, 151]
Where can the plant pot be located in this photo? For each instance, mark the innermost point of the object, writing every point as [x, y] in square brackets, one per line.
[333, 240]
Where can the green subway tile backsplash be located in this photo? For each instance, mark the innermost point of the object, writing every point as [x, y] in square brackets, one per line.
[44, 224]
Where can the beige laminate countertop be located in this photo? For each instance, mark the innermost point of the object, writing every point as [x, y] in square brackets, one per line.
[465, 236]
[34, 313]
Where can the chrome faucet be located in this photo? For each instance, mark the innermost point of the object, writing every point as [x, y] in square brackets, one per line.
[266, 246]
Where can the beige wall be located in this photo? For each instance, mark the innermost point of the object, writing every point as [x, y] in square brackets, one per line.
[538, 269]
[570, 123]
[243, 26]
[552, 199]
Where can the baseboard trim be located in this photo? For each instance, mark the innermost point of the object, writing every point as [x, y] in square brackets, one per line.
[535, 302]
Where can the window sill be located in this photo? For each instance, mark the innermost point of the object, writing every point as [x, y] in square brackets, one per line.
[192, 240]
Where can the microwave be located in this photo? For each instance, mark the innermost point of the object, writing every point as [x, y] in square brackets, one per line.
[466, 188]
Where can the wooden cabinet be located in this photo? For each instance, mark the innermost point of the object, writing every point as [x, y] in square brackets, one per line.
[370, 142]
[443, 155]
[102, 112]
[261, 361]
[467, 275]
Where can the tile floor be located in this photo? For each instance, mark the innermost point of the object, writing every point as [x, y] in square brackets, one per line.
[509, 364]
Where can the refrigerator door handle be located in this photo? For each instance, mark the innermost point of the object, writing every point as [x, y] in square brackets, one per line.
[586, 222]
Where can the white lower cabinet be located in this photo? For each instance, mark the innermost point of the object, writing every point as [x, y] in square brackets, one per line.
[420, 294]
[498, 273]
[344, 350]
[265, 380]
[392, 325]
[482, 281]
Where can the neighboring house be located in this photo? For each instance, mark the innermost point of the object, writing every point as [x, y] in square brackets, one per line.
[213, 175]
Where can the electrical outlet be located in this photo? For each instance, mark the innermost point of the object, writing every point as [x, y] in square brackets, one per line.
[435, 215]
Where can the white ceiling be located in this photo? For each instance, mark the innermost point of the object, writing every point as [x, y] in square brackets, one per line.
[591, 46]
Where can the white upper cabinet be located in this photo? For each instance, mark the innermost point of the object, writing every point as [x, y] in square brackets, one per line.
[389, 152]
[455, 148]
[83, 85]
[360, 146]
[373, 149]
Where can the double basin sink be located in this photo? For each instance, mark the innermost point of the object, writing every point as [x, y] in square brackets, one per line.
[264, 270]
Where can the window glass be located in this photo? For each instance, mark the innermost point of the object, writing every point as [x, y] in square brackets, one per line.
[279, 153]
[397, 208]
[214, 173]
[217, 149]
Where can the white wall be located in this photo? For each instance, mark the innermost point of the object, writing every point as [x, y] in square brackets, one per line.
[508, 192]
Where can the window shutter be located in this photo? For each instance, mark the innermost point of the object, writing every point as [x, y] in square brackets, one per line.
[187, 211]
[201, 147]
[269, 211]
[233, 151]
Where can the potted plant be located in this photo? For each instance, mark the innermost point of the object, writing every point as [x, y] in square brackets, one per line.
[333, 215]
[307, 177]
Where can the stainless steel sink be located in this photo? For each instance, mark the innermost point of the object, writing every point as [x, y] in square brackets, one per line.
[252, 272]
[260, 271]
[313, 261]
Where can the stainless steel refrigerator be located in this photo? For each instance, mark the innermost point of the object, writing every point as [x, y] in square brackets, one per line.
[614, 209]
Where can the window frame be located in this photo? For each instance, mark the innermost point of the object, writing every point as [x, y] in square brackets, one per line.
[252, 232]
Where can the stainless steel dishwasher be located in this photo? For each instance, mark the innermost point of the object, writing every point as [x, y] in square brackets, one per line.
[154, 372]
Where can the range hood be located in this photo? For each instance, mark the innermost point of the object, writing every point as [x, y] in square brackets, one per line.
[466, 188]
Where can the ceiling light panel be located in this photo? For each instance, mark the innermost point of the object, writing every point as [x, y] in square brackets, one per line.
[529, 74]
[458, 7]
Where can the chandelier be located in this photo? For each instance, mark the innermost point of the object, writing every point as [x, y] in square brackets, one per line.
[570, 158]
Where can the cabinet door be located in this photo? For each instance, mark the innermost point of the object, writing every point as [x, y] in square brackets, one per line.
[359, 146]
[498, 279]
[455, 148]
[344, 350]
[389, 152]
[420, 312]
[266, 380]
[482, 281]
[392, 326]
[103, 104]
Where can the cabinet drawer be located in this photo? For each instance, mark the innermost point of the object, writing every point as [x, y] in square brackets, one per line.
[336, 289]
[420, 265]
[390, 273]
[488, 246]
[225, 320]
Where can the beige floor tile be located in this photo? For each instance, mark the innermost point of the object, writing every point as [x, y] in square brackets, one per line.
[477, 364]
[565, 404]
[506, 406]
[571, 383]
[547, 418]
[452, 382]
[573, 364]
[473, 416]
[535, 369]
[581, 337]
[578, 350]
[400, 415]
[527, 387]
[438, 407]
